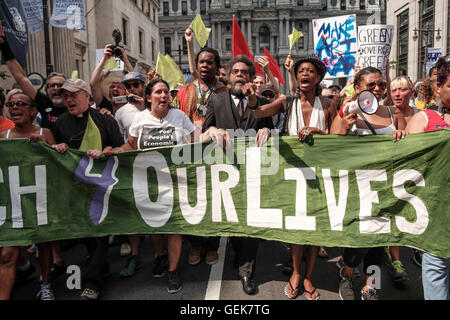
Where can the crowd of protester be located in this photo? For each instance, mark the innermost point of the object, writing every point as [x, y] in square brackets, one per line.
[218, 98]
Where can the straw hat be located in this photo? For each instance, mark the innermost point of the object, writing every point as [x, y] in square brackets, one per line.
[113, 76]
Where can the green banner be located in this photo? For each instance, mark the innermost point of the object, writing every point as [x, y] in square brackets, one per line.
[346, 191]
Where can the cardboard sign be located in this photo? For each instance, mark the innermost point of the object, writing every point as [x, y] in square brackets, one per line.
[433, 55]
[374, 46]
[335, 44]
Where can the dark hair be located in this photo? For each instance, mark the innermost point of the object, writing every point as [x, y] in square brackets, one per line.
[443, 67]
[244, 59]
[212, 51]
[149, 90]
[364, 72]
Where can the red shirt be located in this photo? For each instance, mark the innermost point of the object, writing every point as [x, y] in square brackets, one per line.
[435, 121]
[6, 124]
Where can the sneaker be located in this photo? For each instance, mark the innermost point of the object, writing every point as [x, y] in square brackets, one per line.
[130, 268]
[399, 271]
[174, 283]
[370, 294]
[46, 292]
[417, 257]
[211, 257]
[23, 275]
[340, 265]
[125, 249]
[194, 256]
[346, 291]
[161, 265]
[89, 294]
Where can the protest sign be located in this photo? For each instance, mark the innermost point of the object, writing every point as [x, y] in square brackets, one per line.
[33, 15]
[113, 64]
[433, 55]
[335, 44]
[333, 191]
[68, 14]
[374, 46]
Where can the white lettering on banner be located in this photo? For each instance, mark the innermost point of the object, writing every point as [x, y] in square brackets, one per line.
[2, 209]
[367, 223]
[421, 223]
[256, 216]
[155, 214]
[193, 215]
[336, 213]
[221, 191]
[40, 189]
[300, 221]
[73, 17]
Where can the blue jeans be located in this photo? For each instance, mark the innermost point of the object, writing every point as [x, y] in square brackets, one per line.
[435, 277]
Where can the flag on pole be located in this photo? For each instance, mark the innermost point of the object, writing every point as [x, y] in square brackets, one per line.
[274, 67]
[34, 15]
[92, 139]
[201, 32]
[68, 14]
[169, 70]
[240, 45]
[293, 38]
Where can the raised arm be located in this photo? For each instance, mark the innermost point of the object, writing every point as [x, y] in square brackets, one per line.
[264, 63]
[271, 109]
[189, 36]
[97, 76]
[289, 65]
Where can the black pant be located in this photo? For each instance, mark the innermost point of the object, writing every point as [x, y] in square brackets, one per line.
[371, 256]
[246, 250]
[208, 243]
[98, 267]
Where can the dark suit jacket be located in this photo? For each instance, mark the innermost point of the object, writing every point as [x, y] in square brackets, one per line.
[223, 114]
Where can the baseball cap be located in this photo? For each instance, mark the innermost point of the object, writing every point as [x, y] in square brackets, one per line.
[266, 87]
[74, 85]
[133, 76]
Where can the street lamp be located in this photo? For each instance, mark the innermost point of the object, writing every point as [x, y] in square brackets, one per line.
[426, 31]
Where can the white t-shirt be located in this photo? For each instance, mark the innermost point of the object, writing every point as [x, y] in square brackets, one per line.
[151, 132]
[124, 117]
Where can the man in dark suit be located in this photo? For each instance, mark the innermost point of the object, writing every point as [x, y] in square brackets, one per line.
[231, 110]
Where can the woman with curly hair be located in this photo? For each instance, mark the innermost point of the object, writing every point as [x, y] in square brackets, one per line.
[427, 94]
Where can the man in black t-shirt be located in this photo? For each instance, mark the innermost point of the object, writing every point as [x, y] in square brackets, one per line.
[50, 105]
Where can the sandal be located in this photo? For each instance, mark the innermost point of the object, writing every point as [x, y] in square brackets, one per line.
[311, 294]
[291, 295]
[323, 253]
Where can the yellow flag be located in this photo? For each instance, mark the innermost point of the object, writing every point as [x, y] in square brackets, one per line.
[92, 139]
[169, 70]
[74, 74]
[293, 38]
[201, 32]
[111, 64]
[350, 91]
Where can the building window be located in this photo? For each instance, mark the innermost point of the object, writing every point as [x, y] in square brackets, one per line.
[153, 50]
[343, 4]
[202, 6]
[227, 3]
[402, 35]
[125, 31]
[185, 50]
[141, 42]
[362, 4]
[184, 10]
[426, 39]
[167, 45]
[193, 5]
[165, 8]
[264, 38]
[228, 47]
[300, 3]
[175, 5]
[154, 15]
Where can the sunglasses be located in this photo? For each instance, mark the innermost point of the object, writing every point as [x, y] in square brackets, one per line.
[135, 85]
[268, 95]
[17, 103]
[372, 85]
[58, 85]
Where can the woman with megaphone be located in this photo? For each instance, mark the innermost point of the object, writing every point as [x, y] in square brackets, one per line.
[365, 116]
[306, 113]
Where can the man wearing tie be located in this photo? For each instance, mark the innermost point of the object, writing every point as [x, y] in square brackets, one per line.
[231, 110]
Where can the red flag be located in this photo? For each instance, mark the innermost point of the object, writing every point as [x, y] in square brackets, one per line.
[240, 45]
[273, 66]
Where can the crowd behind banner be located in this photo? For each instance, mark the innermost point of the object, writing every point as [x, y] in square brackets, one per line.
[121, 110]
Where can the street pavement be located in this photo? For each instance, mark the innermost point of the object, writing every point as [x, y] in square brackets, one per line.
[220, 281]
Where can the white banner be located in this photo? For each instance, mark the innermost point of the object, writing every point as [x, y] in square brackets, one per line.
[68, 14]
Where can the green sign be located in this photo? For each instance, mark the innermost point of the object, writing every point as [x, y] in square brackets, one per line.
[333, 191]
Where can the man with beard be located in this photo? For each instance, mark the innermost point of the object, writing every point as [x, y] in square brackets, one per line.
[112, 82]
[192, 99]
[231, 110]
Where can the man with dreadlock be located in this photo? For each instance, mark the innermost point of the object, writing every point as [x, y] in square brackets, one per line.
[306, 113]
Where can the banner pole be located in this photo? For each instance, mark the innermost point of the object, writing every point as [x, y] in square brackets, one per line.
[48, 61]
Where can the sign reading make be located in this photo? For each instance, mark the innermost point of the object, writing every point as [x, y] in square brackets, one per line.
[374, 46]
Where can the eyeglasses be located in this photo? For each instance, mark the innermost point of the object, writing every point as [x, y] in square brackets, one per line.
[135, 85]
[16, 103]
[268, 95]
[58, 85]
[236, 71]
[372, 85]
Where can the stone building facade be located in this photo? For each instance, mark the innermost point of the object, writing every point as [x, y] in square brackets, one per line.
[263, 23]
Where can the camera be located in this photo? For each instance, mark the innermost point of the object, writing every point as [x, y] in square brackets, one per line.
[124, 99]
[117, 37]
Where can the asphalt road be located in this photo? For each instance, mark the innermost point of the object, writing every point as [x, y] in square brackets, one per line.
[220, 282]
